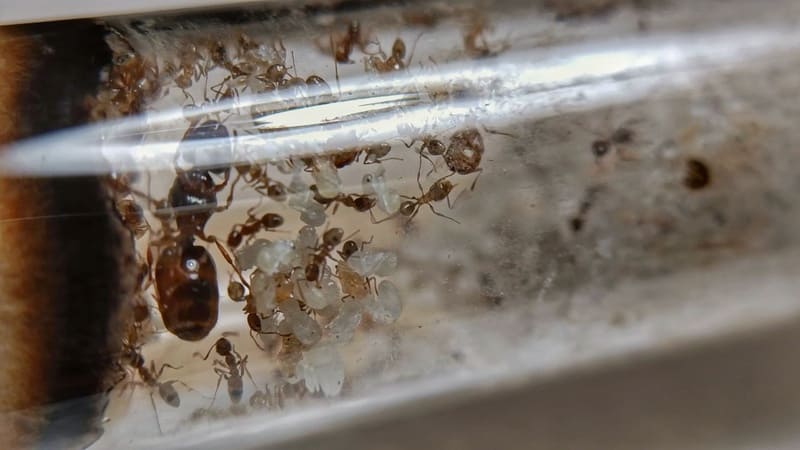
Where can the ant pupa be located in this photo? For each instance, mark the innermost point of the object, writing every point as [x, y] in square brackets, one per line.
[388, 200]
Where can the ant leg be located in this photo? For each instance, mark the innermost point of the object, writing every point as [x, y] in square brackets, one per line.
[375, 221]
[229, 200]
[472, 186]
[227, 256]
[498, 132]
[219, 380]
[419, 171]
[155, 410]
[247, 371]
[413, 47]
[163, 366]
[442, 215]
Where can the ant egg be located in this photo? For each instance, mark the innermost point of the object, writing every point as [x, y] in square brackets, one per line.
[323, 370]
[386, 306]
[302, 326]
[343, 326]
[367, 263]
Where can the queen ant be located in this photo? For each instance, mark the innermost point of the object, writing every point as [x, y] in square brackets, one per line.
[232, 368]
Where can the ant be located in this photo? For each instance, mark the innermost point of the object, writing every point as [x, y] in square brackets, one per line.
[431, 146]
[185, 274]
[232, 368]
[475, 38]
[133, 217]
[252, 226]
[330, 240]
[374, 154]
[439, 190]
[149, 376]
[342, 46]
[360, 203]
[395, 61]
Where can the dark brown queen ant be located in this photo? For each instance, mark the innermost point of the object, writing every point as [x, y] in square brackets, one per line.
[232, 368]
[185, 274]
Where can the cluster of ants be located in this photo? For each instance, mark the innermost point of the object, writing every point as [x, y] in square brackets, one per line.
[298, 295]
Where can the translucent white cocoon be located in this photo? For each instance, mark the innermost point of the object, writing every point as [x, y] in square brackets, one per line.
[322, 369]
[367, 263]
[386, 306]
[276, 257]
[343, 326]
[302, 326]
[263, 289]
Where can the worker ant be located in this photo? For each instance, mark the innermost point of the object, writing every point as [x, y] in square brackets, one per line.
[232, 368]
[330, 240]
[439, 190]
[150, 378]
[341, 44]
[475, 43]
[394, 62]
[252, 226]
[360, 203]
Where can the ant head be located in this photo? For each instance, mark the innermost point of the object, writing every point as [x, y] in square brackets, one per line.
[223, 346]
[600, 148]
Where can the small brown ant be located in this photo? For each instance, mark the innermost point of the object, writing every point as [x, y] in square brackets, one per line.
[475, 38]
[439, 190]
[395, 61]
[149, 376]
[232, 368]
[253, 225]
[360, 203]
[342, 45]
[133, 217]
[330, 240]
